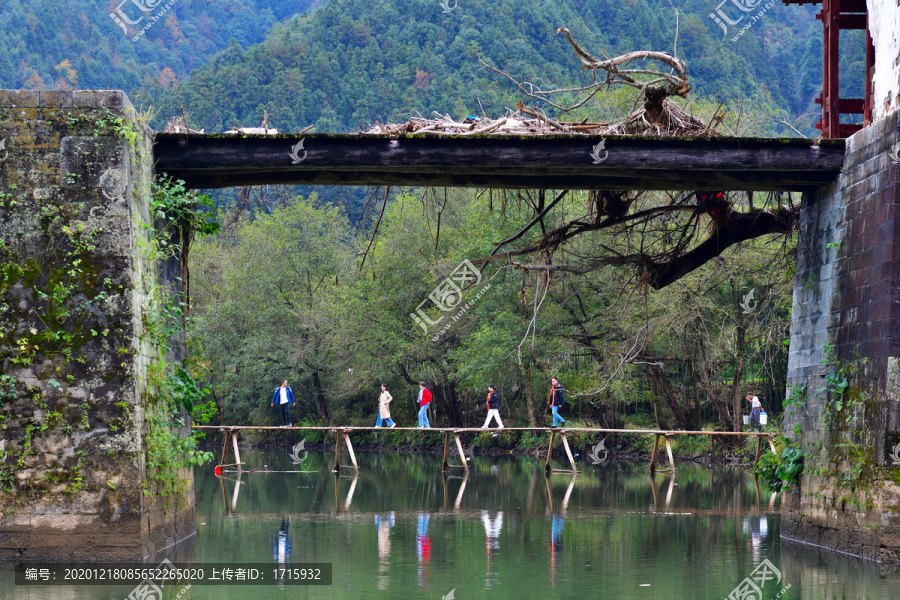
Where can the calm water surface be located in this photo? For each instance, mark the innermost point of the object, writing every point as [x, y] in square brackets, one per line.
[401, 529]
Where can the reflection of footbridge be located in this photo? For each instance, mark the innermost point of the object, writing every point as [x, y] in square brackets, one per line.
[342, 436]
[343, 502]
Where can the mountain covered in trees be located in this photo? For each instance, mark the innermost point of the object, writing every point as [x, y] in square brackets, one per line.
[294, 290]
[47, 44]
[353, 62]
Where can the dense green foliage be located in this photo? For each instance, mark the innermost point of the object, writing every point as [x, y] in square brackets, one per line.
[66, 45]
[352, 62]
[778, 471]
[281, 295]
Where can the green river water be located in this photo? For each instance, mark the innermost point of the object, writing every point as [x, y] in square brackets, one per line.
[402, 529]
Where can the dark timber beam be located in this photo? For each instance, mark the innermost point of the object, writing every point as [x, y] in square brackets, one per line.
[550, 162]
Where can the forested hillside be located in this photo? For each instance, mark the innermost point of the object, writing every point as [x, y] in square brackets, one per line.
[48, 44]
[353, 62]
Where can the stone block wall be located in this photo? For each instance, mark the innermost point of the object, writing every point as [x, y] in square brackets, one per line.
[76, 279]
[847, 295]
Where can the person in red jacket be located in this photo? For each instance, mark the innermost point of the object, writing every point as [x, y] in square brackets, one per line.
[424, 401]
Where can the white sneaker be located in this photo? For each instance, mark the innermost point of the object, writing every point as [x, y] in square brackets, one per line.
[394, 425]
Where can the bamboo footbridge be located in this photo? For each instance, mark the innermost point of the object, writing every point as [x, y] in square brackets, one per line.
[342, 434]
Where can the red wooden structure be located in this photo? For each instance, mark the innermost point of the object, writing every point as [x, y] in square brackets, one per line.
[837, 15]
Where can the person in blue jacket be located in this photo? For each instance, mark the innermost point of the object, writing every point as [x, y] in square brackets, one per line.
[284, 397]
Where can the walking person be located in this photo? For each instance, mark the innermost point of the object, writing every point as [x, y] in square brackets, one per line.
[424, 401]
[384, 410]
[555, 400]
[283, 397]
[493, 408]
[755, 409]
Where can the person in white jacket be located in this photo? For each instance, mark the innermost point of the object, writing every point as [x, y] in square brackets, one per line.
[384, 410]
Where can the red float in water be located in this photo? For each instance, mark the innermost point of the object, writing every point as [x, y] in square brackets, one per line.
[218, 470]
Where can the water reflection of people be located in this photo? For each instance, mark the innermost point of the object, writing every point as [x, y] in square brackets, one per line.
[423, 550]
[281, 546]
[555, 544]
[759, 528]
[492, 535]
[383, 527]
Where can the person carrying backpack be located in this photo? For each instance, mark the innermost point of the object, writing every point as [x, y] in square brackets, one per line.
[424, 401]
[283, 397]
[493, 408]
[555, 400]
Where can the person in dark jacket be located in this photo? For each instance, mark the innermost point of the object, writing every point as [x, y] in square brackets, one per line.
[283, 397]
[555, 400]
[493, 408]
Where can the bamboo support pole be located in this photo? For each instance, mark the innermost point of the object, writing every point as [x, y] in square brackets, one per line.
[653, 456]
[462, 454]
[350, 450]
[671, 457]
[237, 454]
[758, 442]
[771, 444]
[547, 466]
[337, 452]
[225, 446]
[446, 449]
[237, 491]
[568, 451]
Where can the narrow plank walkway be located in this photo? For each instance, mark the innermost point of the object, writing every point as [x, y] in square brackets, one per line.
[342, 433]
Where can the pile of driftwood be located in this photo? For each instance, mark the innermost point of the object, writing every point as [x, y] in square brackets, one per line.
[526, 121]
[516, 123]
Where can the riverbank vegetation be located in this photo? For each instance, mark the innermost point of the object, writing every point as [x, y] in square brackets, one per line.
[298, 293]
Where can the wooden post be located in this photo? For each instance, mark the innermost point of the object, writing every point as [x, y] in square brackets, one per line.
[237, 455]
[462, 454]
[671, 489]
[547, 467]
[224, 494]
[350, 449]
[349, 499]
[549, 491]
[446, 451]
[337, 487]
[568, 452]
[225, 446]
[671, 458]
[237, 490]
[758, 442]
[771, 444]
[337, 452]
[462, 490]
[653, 456]
[565, 502]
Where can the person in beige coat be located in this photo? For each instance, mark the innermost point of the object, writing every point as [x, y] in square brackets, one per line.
[384, 410]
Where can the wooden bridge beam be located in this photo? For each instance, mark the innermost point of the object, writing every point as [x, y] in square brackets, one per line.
[547, 162]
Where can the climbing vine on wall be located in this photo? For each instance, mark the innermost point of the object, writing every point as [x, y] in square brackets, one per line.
[173, 397]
